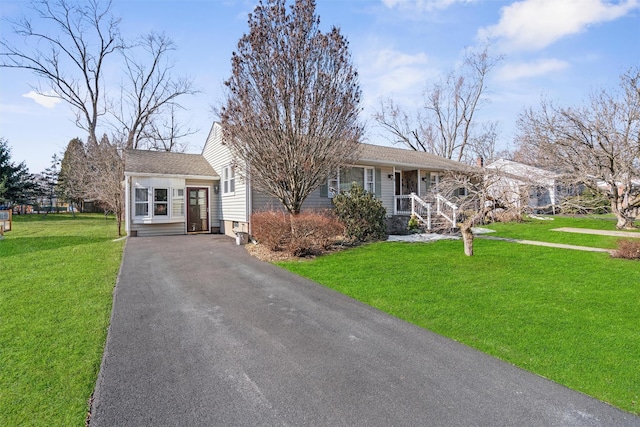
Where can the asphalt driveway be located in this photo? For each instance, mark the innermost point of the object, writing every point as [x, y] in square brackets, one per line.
[202, 334]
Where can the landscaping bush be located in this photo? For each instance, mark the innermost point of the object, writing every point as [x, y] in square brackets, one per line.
[413, 225]
[589, 202]
[272, 229]
[628, 249]
[305, 234]
[506, 215]
[361, 213]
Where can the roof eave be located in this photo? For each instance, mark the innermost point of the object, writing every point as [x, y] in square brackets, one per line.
[167, 175]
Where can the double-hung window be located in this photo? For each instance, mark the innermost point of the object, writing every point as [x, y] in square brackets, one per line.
[142, 201]
[160, 201]
[228, 180]
[369, 180]
[334, 185]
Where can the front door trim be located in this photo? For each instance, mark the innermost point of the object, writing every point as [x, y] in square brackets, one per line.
[195, 225]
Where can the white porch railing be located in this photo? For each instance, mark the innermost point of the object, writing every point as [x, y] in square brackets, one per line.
[411, 204]
[446, 209]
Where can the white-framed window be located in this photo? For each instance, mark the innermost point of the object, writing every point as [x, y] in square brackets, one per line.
[369, 180]
[160, 202]
[228, 180]
[334, 185]
[177, 202]
[365, 177]
[434, 179]
[141, 201]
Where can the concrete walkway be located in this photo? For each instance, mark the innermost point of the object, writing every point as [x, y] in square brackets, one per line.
[616, 233]
[548, 244]
[202, 334]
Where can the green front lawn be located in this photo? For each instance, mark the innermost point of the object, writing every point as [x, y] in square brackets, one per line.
[542, 230]
[567, 315]
[57, 279]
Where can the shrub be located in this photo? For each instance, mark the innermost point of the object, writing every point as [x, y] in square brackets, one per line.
[308, 233]
[272, 229]
[506, 215]
[589, 202]
[413, 224]
[627, 249]
[361, 213]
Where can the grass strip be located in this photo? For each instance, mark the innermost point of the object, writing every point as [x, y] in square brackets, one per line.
[58, 275]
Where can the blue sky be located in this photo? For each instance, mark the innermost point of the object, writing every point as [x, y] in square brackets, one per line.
[559, 49]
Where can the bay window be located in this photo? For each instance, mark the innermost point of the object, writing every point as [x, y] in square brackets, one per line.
[150, 202]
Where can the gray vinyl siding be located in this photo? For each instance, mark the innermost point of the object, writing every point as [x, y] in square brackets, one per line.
[387, 189]
[168, 229]
[314, 201]
[231, 207]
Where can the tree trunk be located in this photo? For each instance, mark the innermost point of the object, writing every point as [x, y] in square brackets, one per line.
[467, 239]
[624, 221]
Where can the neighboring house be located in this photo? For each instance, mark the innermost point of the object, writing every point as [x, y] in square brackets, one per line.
[400, 178]
[170, 193]
[529, 187]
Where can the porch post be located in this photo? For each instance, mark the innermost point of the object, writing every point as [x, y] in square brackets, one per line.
[395, 196]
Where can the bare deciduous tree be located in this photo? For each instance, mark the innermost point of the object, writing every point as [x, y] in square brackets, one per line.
[446, 126]
[149, 92]
[105, 168]
[291, 113]
[597, 144]
[70, 60]
[480, 198]
[167, 133]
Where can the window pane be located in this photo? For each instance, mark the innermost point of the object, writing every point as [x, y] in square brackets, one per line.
[160, 209]
[142, 209]
[160, 195]
[350, 175]
[177, 202]
[142, 195]
[232, 185]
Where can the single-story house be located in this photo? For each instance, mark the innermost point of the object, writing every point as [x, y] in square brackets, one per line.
[160, 185]
[528, 186]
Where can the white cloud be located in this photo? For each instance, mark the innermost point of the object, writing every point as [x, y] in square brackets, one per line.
[535, 24]
[390, 73]
[422, 5]
[522, 70]
[47, 101]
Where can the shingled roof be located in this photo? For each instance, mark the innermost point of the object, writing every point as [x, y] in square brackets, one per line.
[378, 154]
[165, 163]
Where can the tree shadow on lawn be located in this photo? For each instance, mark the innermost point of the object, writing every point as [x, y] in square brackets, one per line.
[28, 245]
